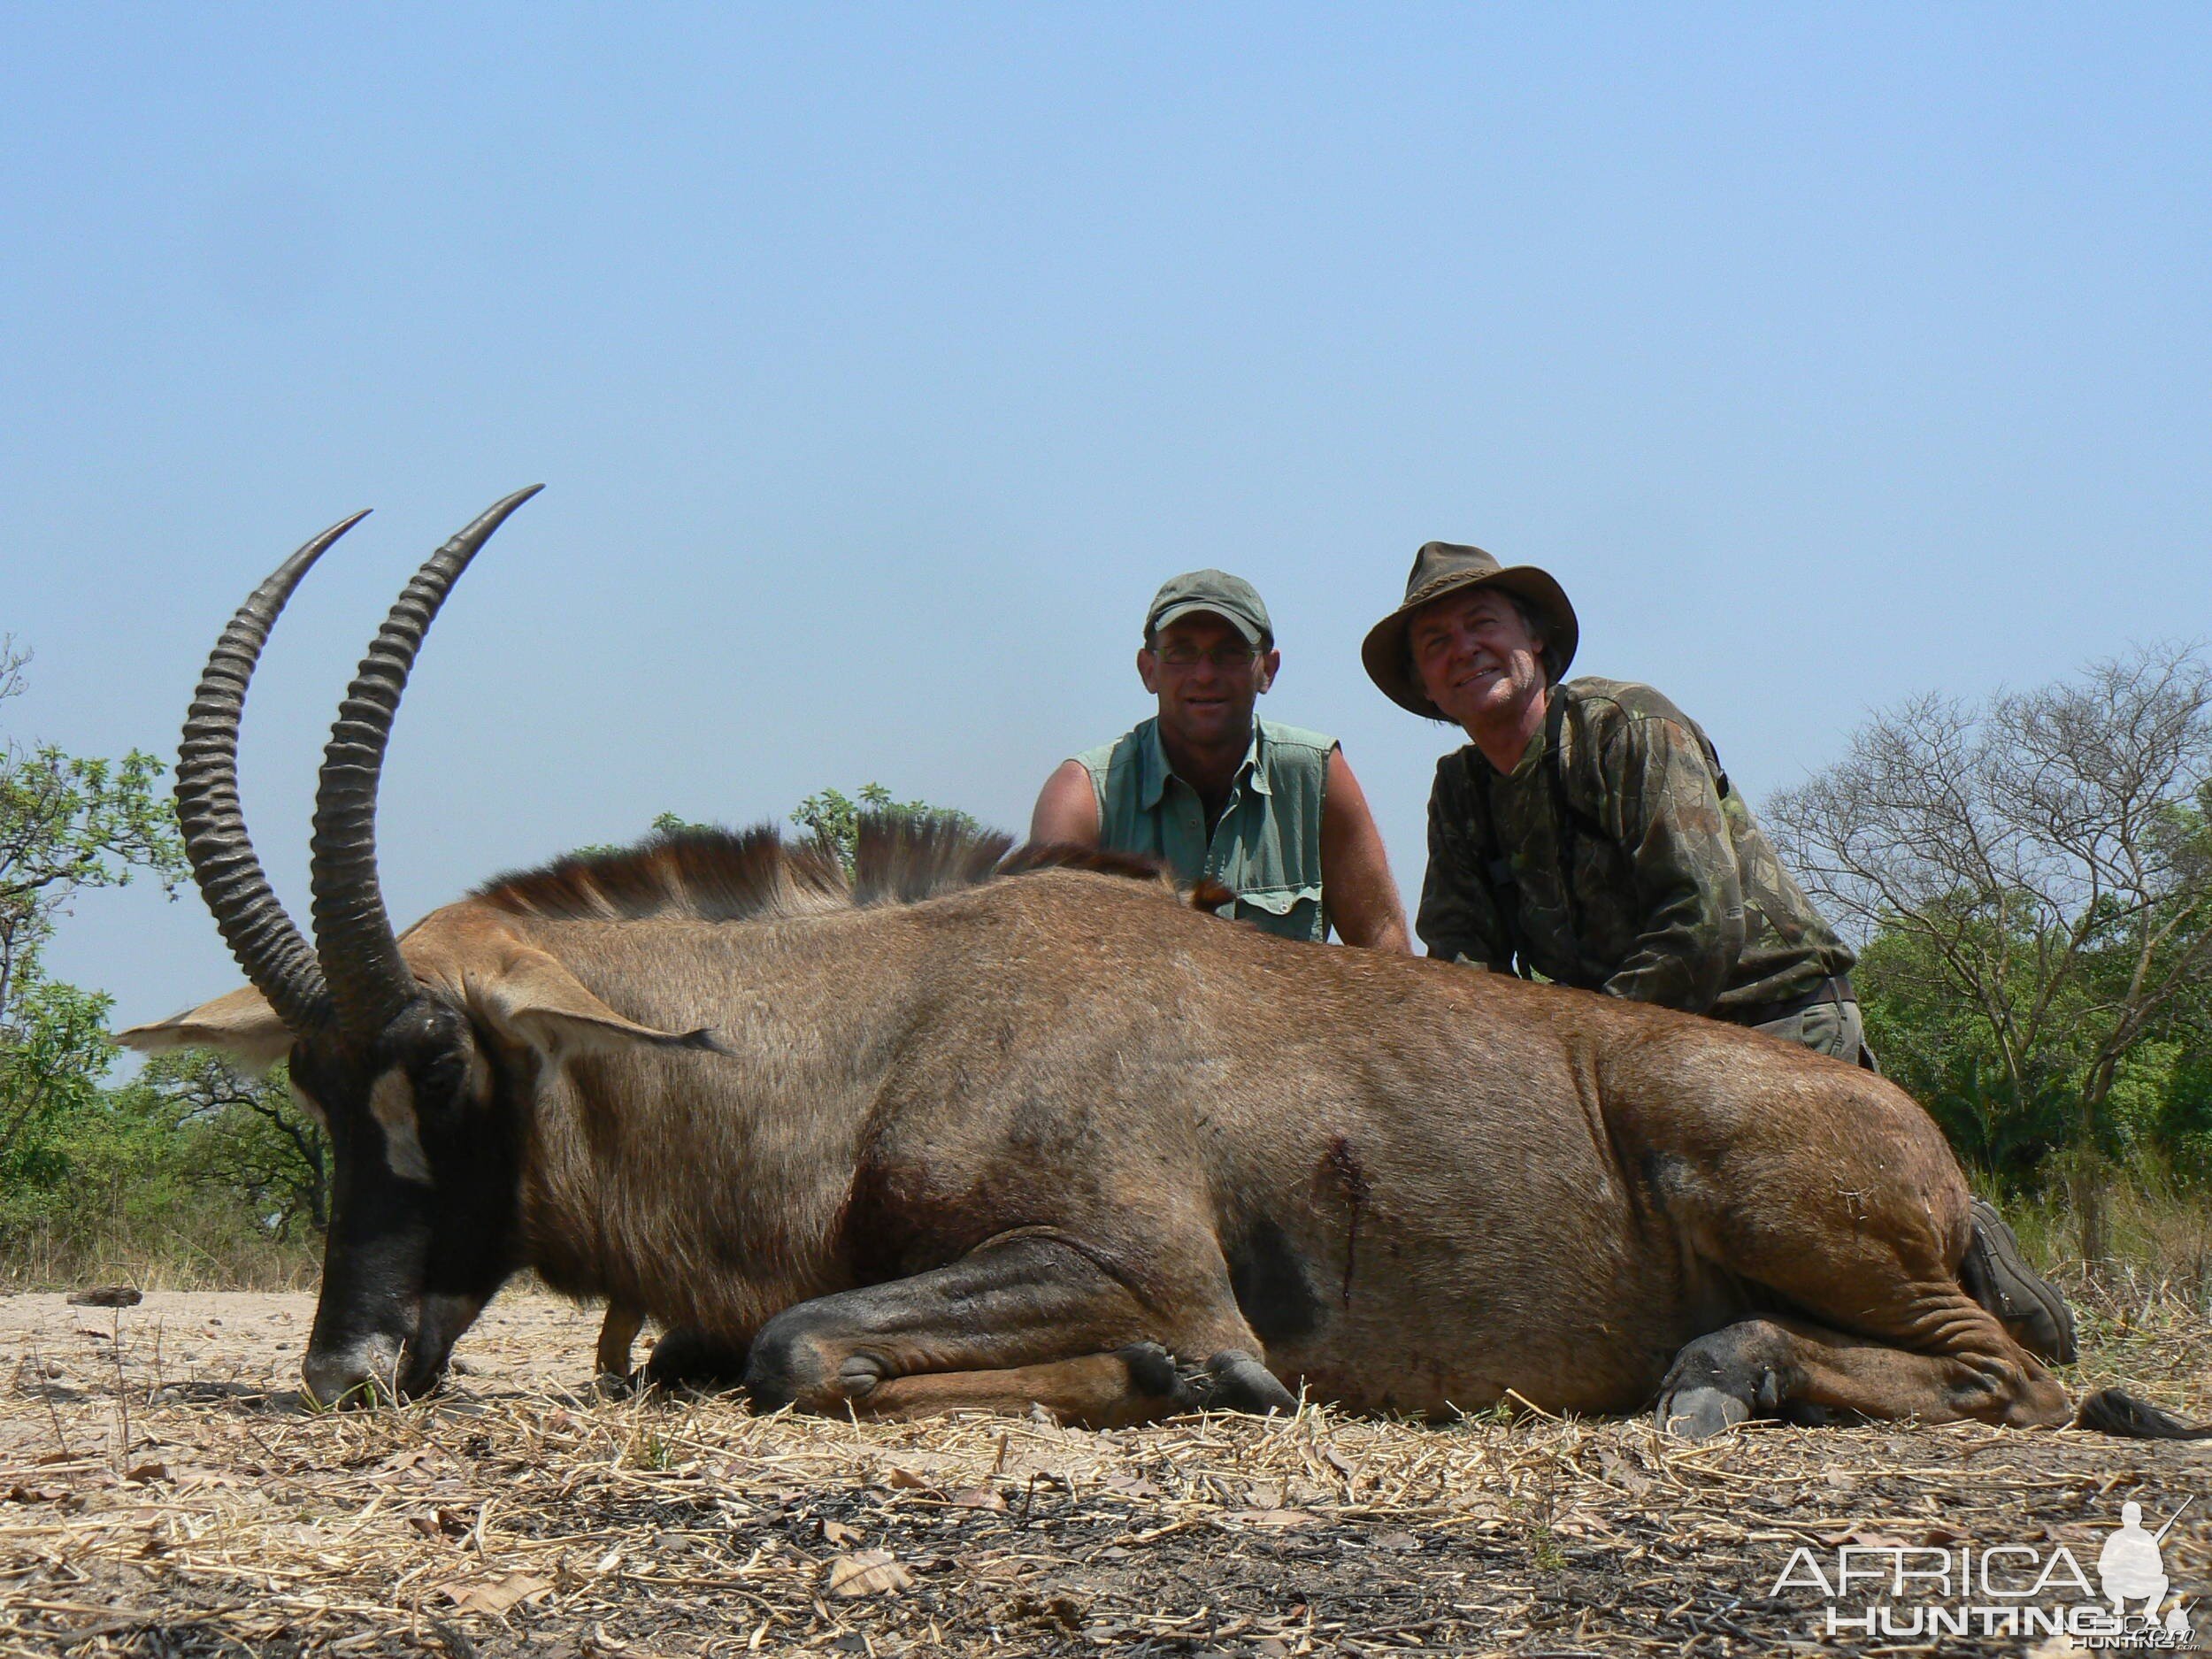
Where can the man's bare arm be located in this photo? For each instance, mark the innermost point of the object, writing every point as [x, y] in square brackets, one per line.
[1067, 810]
[1355, 882]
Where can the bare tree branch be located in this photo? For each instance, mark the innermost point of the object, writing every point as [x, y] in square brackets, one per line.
[2046, 850]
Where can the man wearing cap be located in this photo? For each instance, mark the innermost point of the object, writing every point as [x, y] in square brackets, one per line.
[1588, 833]
[1269, 811]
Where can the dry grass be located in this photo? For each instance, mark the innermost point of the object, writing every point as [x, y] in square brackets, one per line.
[159, 1258]
[2161, 1232]
[162, 1492]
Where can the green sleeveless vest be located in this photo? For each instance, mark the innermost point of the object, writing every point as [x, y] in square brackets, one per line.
[1267, 848]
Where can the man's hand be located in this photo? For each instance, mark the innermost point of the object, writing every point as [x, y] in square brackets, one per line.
[1067, 810]
[1355, 882]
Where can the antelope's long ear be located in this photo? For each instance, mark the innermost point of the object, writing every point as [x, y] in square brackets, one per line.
[530, 998]
[242, 1025]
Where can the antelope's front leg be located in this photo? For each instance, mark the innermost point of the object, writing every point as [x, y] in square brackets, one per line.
[1028, 1321]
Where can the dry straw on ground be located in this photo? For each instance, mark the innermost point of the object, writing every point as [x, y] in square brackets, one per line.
[162, 1492]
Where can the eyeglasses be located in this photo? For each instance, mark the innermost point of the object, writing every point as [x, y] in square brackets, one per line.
[1237, 655]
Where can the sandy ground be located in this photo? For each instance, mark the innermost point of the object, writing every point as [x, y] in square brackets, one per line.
[162, 1491]
[252, 1339]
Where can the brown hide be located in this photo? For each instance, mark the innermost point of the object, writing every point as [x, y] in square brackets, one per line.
[939, 1137]
[1410, 1185]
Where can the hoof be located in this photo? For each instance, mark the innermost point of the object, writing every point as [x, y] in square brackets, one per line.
[1699, 1411]
[1153, 1372]
[1240, 1383]
[1230, 1381]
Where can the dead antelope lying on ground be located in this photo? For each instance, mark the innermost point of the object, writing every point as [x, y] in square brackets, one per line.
[953, 1135]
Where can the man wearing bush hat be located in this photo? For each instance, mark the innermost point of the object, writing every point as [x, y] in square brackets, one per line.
[1270, 813]
[1588, 833]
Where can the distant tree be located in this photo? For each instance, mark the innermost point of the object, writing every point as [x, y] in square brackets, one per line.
[2037, 870]
[66, 824]
[54, 1049]
[1938, 1046]
[833, 818]
[241, 1141]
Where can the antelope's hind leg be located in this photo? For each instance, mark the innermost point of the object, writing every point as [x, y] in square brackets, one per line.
[1802, 1372]
[617, 1331]
[1027, 1321]
[1880, 1325]
[1835, 1201]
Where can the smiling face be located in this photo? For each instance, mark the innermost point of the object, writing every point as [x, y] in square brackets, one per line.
[1207, 678]
[1478, 659]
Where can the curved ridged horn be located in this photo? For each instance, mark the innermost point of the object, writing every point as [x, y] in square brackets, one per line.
[280, 963]
[369, 979]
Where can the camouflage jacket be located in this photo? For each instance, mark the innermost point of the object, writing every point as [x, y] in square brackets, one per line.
[1617, 858]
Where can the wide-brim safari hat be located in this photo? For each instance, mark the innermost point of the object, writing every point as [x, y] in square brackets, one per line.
[1445, 567]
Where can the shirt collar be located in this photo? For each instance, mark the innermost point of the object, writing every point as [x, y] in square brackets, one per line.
[1152, 779]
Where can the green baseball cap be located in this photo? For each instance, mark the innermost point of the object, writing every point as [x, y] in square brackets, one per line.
[1230, 597]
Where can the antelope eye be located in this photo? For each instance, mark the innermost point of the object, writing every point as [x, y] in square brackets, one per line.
[443, 1077]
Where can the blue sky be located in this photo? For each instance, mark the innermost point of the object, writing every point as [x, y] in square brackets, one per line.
[880, 363]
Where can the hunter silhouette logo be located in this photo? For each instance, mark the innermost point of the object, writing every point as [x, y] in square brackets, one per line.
[2133, 1568]
[1899, 1590]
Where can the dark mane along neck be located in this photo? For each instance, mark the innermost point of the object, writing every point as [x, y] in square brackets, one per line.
[718, 875]
[712, 874]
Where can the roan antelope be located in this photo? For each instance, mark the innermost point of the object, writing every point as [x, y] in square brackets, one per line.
[963, 1131]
